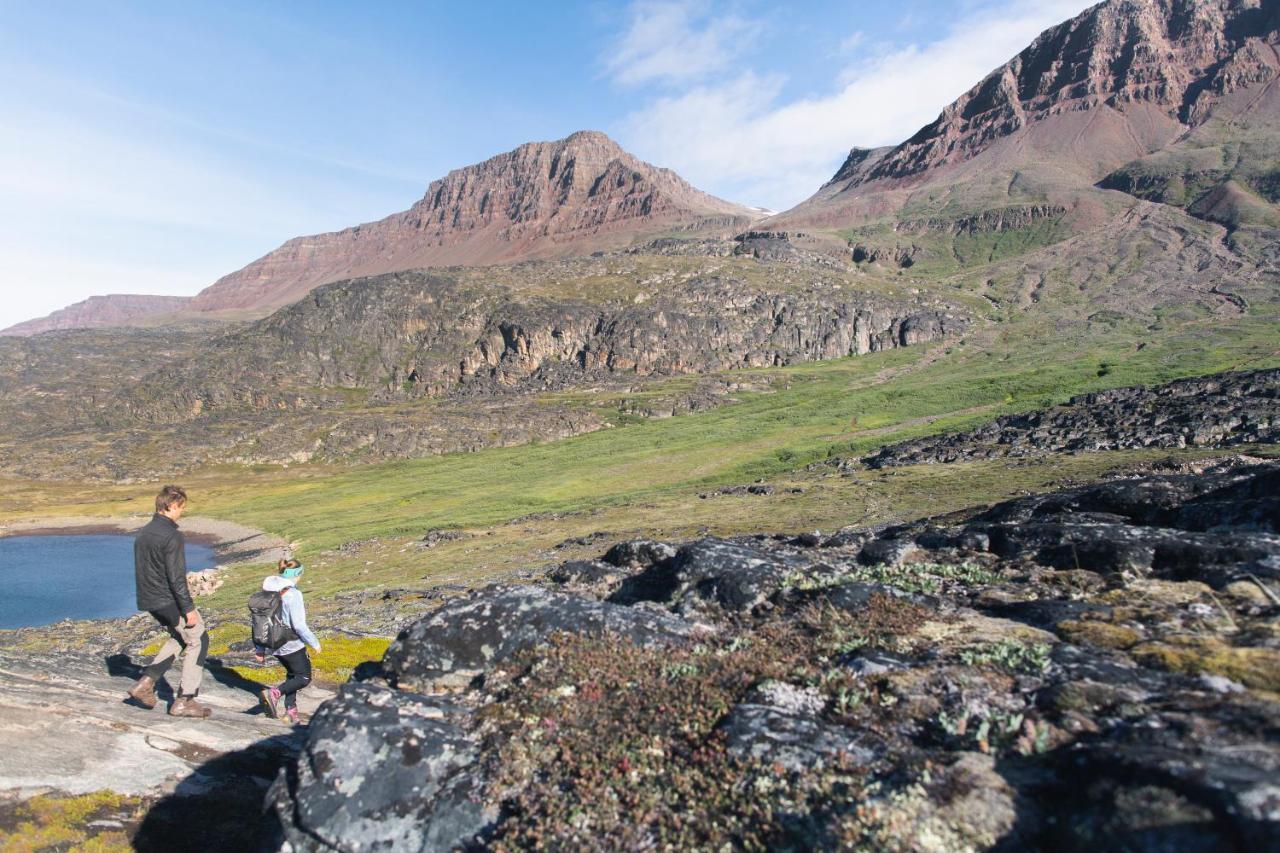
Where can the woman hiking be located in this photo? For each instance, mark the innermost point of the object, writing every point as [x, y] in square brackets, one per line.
[293, 654]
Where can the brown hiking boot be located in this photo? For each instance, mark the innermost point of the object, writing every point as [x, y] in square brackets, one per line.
[144, 692]
[187, 706]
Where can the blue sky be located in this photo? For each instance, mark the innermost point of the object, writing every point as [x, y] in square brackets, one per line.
[152, 147]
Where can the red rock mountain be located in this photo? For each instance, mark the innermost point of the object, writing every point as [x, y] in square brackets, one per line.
[542, 200]
[1121, 80]
[105, 311]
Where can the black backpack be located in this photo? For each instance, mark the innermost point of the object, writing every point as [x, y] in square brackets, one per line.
[266, 618]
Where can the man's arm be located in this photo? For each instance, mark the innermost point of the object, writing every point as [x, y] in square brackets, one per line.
[175, 570]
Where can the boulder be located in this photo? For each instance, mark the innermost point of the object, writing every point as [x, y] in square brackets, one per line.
[734, 577]
[591, 577]
[468, 635]
[639, 554]
[382, 769]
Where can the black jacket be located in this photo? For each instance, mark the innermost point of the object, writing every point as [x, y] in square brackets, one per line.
[160, 567]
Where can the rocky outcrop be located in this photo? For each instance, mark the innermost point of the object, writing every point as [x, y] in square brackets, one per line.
[543, 200]
[987, 222]
[339, 376]
[436, 334]
[99, 312]
[467, 636]
[952, 678]
[1222, 410]
[382, 770]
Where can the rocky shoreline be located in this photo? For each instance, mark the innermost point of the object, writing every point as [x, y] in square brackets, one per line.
[1096, 663]
[231, 542]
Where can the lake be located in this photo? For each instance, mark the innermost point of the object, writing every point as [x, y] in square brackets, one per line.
[86, 576]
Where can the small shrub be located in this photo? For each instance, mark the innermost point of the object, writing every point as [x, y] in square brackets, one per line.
[605, 744]
[1009, 655]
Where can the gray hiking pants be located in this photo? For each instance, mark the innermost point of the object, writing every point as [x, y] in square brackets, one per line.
[193, 643]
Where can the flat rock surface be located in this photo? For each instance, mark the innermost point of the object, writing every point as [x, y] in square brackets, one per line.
[65, 727]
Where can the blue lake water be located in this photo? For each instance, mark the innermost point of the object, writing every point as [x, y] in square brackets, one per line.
[47, 578]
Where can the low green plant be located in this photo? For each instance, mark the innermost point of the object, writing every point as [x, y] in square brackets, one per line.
[1009, 655]
[927, 578]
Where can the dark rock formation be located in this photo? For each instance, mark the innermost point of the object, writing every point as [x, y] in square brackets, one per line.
[469, 635]
[972, 687]
[795, 740]
[336, 377]
[1214, 411]
[415, 334]
[987, 222]
[733, 577]
[382, 769]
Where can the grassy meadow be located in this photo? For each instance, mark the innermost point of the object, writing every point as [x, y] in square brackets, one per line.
[358, 526]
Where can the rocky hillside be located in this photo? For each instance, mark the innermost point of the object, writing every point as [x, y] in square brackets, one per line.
[542, 200]
[435, 334]
[1213, 411]
[98, 312]
[341, 375]
[1120, 81]
[1097, 663]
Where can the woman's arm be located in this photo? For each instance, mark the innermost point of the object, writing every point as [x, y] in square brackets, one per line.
[296, 613]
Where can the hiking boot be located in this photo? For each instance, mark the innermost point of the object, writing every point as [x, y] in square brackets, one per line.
[144, 692]
[187, 706]
[271, 702]
[292, 714]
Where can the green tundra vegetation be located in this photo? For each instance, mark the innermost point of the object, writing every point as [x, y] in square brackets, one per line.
[644, 476]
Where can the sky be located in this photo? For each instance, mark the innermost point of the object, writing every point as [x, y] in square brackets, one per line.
[154, 147]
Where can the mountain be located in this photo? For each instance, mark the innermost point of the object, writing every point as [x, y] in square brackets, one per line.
[104, 312]
[543, 200]
[1121, 81]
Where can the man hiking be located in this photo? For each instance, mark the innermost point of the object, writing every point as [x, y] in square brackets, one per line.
[160, 571]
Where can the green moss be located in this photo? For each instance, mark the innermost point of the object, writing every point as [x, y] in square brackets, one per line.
[1097, 633]
[335, 664]
[1253, 667]
[221, 638]
[61, 823]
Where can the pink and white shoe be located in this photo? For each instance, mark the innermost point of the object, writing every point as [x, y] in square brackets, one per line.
[292, 713]
[271, 702]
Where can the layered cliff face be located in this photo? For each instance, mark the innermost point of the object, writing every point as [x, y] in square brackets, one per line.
[542, 200]
[415, 334]
[101, 312]
[1160, 63]
[1120, 81]
[343, 374]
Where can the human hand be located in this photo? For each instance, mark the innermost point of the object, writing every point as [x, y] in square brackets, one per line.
[193, 618]
[259, 657]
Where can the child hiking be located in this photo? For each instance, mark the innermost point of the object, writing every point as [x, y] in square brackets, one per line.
[280, 627]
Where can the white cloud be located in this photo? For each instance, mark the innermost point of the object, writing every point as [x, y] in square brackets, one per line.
[673, 41]
[853, 41]
[736, 138]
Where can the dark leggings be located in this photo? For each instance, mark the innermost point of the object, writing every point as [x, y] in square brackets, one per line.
[298, 665]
